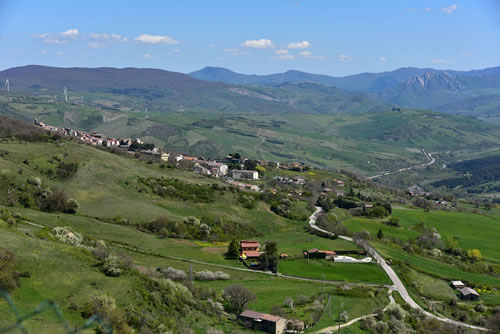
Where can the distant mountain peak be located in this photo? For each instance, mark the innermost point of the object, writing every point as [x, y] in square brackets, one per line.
[436, 80]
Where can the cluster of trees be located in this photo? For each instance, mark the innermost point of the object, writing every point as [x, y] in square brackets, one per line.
[282, 205]
[178, 189]
[30, 193]
[477, 171]
[135, 146]
[354, 205]
[206, 228]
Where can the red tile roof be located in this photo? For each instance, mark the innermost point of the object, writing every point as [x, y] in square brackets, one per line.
[251, 253]
[249, 244]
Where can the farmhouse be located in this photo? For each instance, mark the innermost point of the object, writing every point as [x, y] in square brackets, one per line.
[468, 294]
[264, 322]
[245, 174]
[249, 249]
[201, 170]
[457, 284]
[217, 168]
[319, 254]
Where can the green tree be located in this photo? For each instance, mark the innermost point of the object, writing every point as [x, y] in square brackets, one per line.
[474, 255]
[233, 251]
[260, 169]
[451, 243]
[271, 248]
[380, 234]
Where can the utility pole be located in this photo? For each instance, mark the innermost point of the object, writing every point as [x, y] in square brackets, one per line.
[329, 304]
[322, 285]
[191, 273]
[339, 324]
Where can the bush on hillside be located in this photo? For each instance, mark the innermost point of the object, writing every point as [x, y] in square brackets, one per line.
[113, 266]
[211, 276]
[173, 274]
[66, 235]
[8, 280]
[66, 171]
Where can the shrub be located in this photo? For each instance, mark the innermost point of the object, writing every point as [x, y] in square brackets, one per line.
[174, 274]
[7, 278]
[474, 255]
[57, 201]
[211, 276]
[35, 181]
[397, 311]
[480, 308]
[362, 235]
[72, 206]
[100, 252]
[66, 170]
[67, 235]
[113, 266]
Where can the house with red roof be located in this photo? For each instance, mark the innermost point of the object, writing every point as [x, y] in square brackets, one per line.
[319, 254]
[249, 249]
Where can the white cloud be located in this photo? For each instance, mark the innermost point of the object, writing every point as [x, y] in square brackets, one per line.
[106, 37]
[3, 38]
[309, 55]
[299, 45]
[344, 58]
[280, 52]
[236, 51]
[71, 33]
[450, 9]
[44, 52]
[466, 54]
[148, 56]
[258, 44]
[156, 39]
[59, 38]
[427, 9]
[59, 53]
[442, 61]
[382, 58]
[101, 40]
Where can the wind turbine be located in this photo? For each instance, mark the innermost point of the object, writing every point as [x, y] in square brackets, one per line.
[65, 94]
[7, 85]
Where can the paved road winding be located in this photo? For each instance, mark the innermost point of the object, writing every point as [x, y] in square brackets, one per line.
[397, 284]
[428, 156]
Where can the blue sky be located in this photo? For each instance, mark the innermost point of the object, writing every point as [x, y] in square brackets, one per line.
[332, 37]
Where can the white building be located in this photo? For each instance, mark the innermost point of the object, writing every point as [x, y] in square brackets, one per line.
[245, 175]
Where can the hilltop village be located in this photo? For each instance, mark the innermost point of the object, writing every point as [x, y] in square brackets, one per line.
[233, 169]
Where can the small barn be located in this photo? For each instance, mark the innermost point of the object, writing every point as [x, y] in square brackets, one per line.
[263, 322]
[319, 254]
[468, 294]
[457, 284]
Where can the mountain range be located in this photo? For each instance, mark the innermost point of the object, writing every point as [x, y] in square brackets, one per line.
[425, 88]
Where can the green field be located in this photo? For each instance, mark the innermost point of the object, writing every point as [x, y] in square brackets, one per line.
[348, 272]
[471, 230]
